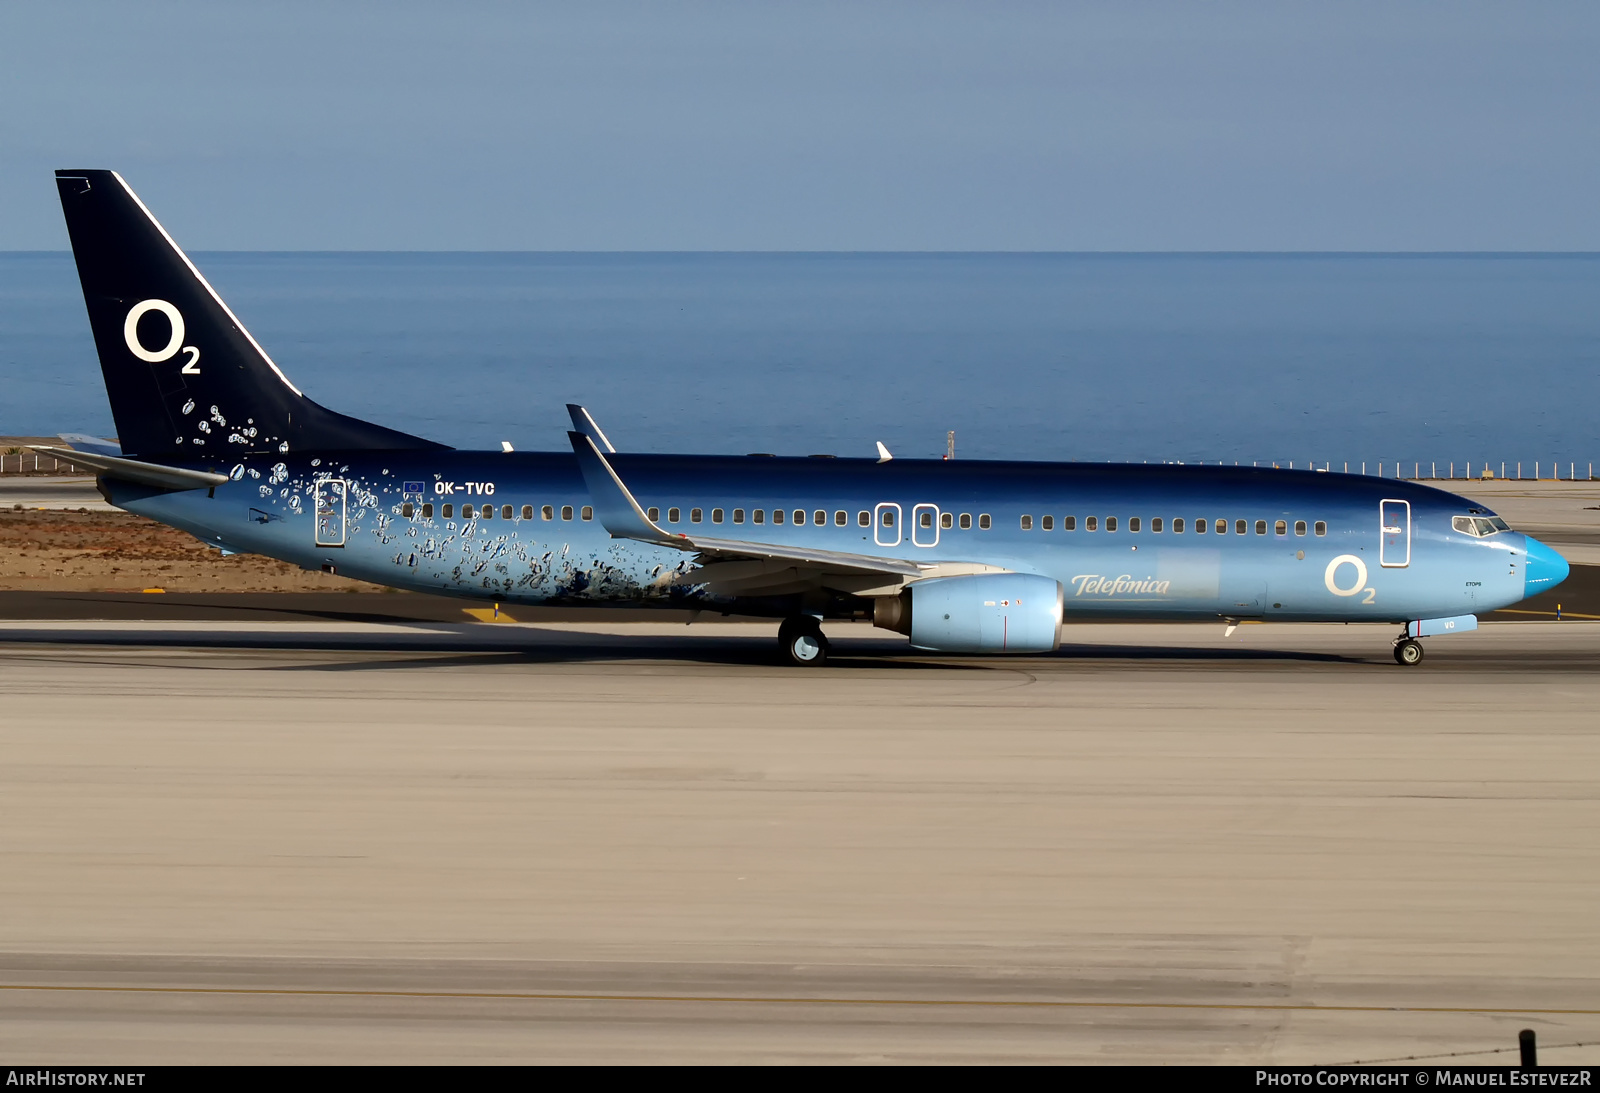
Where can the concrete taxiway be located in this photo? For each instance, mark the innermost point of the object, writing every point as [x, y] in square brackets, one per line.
[441, 842]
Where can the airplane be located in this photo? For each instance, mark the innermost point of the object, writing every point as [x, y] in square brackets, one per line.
[963, 557]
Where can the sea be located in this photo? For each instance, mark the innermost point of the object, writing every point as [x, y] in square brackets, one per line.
[1384, 360]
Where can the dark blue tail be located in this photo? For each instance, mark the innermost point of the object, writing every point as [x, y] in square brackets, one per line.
[184, 376]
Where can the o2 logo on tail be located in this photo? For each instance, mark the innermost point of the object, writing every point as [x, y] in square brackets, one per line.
[130, 334]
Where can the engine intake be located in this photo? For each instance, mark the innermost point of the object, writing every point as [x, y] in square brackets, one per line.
[979, 613]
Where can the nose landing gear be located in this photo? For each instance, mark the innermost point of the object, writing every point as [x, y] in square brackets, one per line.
[1408, 651]
[801, 642]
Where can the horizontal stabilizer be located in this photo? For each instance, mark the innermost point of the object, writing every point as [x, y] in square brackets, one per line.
[78, 442]
[137, 470]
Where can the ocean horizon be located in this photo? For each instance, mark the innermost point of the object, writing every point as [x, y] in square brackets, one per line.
[1331, 357]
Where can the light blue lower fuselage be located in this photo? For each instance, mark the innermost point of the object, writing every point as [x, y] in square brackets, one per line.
[1346, 573]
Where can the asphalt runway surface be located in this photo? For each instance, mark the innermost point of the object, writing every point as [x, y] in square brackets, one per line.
[307, 840]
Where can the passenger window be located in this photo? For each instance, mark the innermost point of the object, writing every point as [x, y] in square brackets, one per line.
[716, 516]
[1155, 524]
[966, 521]
[1091, 523]
[547, 513]
[738, 516]
[1299, 527]
[674, 515]
[1241, 527]
[948, 521]
[819, 518]
[527, 512]
[1261, 527]
[887, 516]
[653, 514]
[777, 516]
[758, 516]
[1133, 523]
[566, 512]
[1069, 523]
[1321, 527]
[1027, 523]
[427, 511]
[1177, 525]
[983, 521]
[487, 512]
[1047, 523]
[695, 516]
[864, 518]
[1281, 528]
[1200, 527]
[466, 512]
[925, 519]
[1222, 527]
[406, 510]
[841, 519]
[799, 517]
[505, 512]
[1111, 523]
[587, 513]
[449, 511]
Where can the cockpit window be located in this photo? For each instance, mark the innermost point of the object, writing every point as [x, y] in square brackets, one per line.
[1479, 526]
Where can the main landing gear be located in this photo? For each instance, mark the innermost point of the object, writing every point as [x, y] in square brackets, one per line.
[1408, 651]
[801, 641]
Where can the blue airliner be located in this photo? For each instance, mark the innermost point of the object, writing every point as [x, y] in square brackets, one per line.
[962, 556]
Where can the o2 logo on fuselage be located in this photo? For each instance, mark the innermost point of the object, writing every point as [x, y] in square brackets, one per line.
[130, 334]
[1330, 577]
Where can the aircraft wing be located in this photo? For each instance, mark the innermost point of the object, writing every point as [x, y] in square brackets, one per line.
[137, 470]
[621, 515]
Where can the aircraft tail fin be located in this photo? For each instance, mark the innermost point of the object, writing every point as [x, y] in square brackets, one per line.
[183, 374]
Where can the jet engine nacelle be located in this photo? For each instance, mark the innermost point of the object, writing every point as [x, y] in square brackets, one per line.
[980, 613]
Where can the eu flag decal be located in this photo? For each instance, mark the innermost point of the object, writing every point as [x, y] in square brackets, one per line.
[413, 487]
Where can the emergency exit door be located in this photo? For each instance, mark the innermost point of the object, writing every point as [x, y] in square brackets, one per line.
[1394, 519]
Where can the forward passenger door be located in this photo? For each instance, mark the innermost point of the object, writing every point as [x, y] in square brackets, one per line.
[1394, 520]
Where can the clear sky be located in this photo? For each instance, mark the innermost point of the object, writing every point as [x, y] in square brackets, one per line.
[814, 126]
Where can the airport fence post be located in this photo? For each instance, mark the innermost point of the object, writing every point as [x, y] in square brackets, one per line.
[1528, 1043]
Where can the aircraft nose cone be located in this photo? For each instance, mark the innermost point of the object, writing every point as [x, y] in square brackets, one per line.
[1543, 568]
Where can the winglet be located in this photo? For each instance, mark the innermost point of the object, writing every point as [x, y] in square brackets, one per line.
[883, 453]
[584, 422]
[619, 513]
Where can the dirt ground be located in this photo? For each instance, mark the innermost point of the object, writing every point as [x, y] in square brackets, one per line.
[62, 551]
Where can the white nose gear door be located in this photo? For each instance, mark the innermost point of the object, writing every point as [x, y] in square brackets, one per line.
[330, 494]
[1394, 519]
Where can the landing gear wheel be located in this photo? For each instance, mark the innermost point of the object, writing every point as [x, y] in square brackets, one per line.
[1408, 652]
[802, 642]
